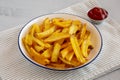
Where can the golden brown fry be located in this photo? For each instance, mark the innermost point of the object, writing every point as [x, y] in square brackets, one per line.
[83, 30]
[84, 48]
[38, 48]
[65, 45]
[38, 41]
[34, 53]
[80, 41]
[65, 51]
[57, 66]
[60, 41]
[75, 62]
[69, 56]
[63, 23]
[28, 39]
[47, 45]
[41, 26]
[73, 29]
[45, 33]
[65, 30]
[77, 23]
[55, 53]
[56, 37]
[83, 34]
[36, 28]
[47, 24]
[32, 30]
[46, 54]
[26, 46]
[57, 19]
[65, 61]
[72, 63]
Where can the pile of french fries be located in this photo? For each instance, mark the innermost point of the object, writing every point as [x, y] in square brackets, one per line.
[58, 43]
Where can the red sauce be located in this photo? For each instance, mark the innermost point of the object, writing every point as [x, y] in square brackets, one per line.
[97, 13]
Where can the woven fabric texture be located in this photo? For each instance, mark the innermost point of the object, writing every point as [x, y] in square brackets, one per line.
[13, 66]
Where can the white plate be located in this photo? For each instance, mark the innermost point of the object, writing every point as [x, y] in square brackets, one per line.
[96, 37]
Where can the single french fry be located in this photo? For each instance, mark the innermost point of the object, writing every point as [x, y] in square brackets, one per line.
[73, 29]
[41, 26]
[76, 49]
[74, 61]
[84, 47]
[47, 24]
[36, 28]
[56, 37]
[26, 46]
[39, 42]
[64, 23]
[38, 48]
[60, 66]
[65, 45]
[45, 33]
[32, 30]
[55, 53]
[65, 51]
[46, 54]
[65, 30]
[65, 61]
[83, 34]
[35, 53]
[57, 19]
[69, 56]
[28, 39]
[83, 30]
[47, 45]
[80, 41]
[77, 23]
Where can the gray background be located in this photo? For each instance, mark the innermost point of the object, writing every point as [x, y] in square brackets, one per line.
[16, 12]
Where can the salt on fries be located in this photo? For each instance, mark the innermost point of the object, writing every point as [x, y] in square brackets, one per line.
[58, 43]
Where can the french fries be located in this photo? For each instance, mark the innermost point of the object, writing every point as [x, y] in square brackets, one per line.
[58, 43]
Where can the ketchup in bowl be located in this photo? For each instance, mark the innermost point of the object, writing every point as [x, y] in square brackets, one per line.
[97, 14]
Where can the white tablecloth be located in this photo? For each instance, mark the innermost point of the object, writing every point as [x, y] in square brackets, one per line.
[14, 66]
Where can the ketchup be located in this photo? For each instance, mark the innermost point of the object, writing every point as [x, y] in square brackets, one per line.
[97, 13]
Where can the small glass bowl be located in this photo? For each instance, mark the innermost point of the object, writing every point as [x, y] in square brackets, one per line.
[97, 15]
[96, 21]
